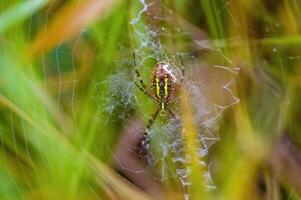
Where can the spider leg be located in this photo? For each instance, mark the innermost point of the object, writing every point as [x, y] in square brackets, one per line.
[145, 148]
[141, 89]
[172, 114]
[138, 73]
[146, 92]
[183, 68]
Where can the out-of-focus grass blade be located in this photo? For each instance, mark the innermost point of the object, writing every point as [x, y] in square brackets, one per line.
[112, 180]
[69, 21]
[214, 18]
[19, 13]
[106, 176]
[286, 40]
[247, 165]
[191, 148]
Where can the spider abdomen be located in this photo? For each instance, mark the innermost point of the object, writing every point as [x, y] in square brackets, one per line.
[162, 83]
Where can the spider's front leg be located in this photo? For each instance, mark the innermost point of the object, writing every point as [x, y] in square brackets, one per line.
[142, 85]
[144, 144]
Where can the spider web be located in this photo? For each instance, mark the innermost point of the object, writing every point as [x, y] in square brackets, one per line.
[160, 36]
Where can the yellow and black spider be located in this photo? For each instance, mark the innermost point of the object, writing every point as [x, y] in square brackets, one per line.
[162, 90]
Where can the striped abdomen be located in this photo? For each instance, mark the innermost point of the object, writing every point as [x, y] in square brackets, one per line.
[162, 83]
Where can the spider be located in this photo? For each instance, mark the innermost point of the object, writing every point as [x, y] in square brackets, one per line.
[162, 90]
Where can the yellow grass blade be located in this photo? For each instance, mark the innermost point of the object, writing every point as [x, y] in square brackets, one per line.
[69, 21]
[191, 147]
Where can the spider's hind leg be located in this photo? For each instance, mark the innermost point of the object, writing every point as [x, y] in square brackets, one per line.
[144, 147]
[172, 114]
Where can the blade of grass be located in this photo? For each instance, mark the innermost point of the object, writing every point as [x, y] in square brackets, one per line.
[191, 148]
[69, 21]
[19, 13]
[107, 177]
